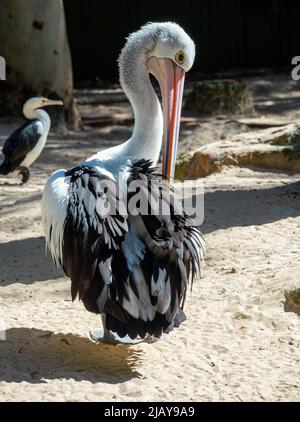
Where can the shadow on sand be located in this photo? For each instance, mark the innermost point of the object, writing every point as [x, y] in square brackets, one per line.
[237, 208]
[33, 355]
[25, 261]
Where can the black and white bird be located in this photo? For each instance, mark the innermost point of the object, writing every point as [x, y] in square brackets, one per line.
[131, 267]
[25, 145]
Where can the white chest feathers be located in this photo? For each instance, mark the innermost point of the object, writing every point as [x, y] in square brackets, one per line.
[43, 128]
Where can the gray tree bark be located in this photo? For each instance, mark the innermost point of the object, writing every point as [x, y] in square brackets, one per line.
[34, 43]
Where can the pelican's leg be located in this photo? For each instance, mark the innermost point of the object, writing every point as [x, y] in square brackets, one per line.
[24, 171]
[104, 336]
[108, 337]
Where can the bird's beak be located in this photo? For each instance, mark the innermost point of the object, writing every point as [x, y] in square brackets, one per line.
[171, 80]
[47, 102]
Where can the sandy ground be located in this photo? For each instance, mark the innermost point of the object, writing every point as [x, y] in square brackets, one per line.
[238, 342]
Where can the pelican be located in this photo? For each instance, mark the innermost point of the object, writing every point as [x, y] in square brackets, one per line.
[130, 267]
[25, 145]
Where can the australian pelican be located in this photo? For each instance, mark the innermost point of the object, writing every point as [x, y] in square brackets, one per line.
[131, 267]
[25, 145]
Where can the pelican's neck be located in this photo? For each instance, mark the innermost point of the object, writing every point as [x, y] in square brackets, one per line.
[39, 114]
[147, 135]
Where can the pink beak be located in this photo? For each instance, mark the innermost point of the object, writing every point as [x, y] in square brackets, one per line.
[171, 80]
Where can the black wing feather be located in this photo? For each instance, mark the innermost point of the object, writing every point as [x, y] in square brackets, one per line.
[21, 142]
[90, 239]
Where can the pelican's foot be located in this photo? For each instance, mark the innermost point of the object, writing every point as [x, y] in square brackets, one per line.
[104, 336]
[107, 337]
[25, 173]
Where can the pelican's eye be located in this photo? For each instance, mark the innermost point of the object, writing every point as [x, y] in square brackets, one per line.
[180, 59]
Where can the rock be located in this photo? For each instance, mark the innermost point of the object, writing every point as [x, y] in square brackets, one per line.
[292, 303]
[233, 128]
[219, 96]
[275, 148]
[241, 316]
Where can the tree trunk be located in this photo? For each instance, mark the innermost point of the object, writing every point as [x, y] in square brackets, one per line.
[33, 41]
